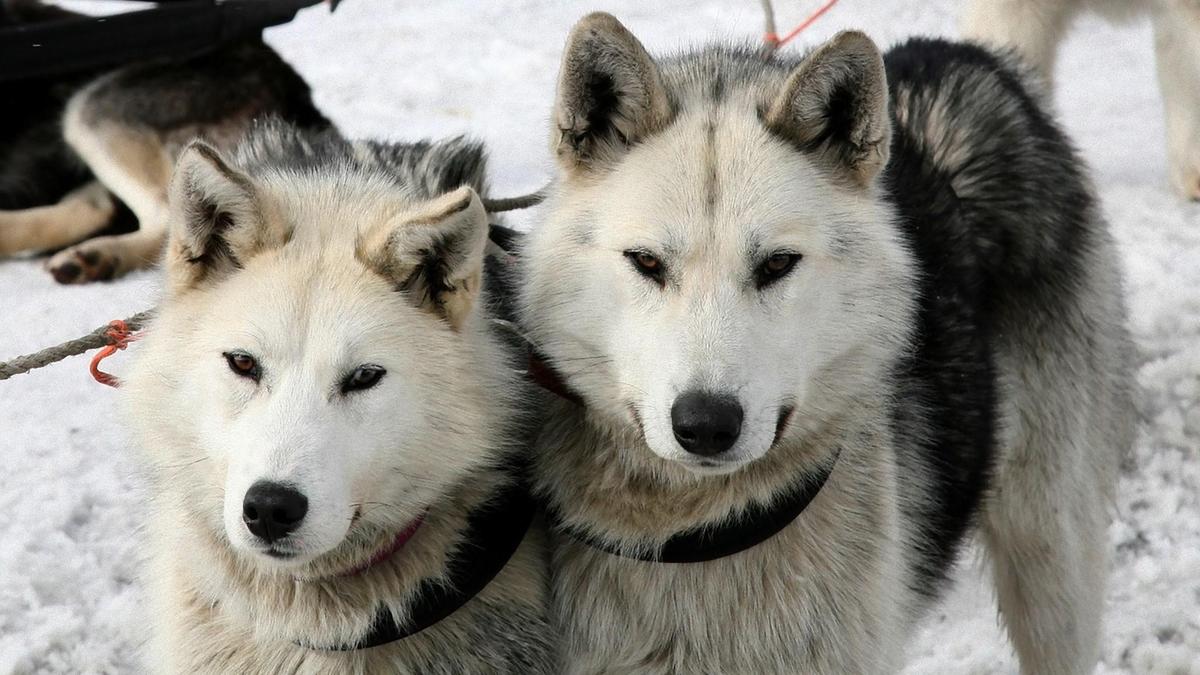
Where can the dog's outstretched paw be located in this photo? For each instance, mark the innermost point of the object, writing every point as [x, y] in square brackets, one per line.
[81, 265]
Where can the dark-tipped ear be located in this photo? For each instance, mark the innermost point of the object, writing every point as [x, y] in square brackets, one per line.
[835, 103]
[434, 255]
[215, 218]
[610, 94]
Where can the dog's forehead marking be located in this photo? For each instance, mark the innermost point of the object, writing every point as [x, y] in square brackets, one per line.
[716, 86]
[722, 197]
[711, 166]
[716, 181]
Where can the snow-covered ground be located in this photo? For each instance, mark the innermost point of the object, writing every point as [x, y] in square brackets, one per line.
[70, 491]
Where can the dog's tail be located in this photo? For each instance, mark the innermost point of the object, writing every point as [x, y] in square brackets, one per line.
[986, 152]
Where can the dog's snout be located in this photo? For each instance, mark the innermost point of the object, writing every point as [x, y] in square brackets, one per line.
[273, 510]
[706, 424]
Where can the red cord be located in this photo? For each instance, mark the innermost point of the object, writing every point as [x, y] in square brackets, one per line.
[777, 42]
[119, 337]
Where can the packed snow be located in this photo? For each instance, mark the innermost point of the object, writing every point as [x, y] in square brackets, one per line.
[71, 492]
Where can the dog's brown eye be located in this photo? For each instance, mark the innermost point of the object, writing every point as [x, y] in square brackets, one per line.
[779, 263]
[775, 268]
[363, 377]
[243, 364]
[646, 264]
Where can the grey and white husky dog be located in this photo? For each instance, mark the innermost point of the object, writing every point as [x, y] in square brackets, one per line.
[821, 319]
[330, 420]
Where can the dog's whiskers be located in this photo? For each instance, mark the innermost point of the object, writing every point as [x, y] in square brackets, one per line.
[180, 466]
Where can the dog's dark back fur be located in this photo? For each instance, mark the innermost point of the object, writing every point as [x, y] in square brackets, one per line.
[244, 76]
[425, 168]
[36, 166]
[975, 214]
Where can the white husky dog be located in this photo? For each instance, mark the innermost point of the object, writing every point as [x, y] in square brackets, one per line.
[1035, 28]
[817, 319]
[329, 420]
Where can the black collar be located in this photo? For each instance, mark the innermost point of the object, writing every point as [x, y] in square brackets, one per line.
[493, 534]
[756, 524]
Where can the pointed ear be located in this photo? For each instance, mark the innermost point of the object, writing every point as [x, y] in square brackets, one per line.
[610, 94]
[835, 104]
[216, 222]
[434, 255]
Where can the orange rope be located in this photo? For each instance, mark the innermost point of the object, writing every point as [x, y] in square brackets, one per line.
[119, 337]
[775, 42]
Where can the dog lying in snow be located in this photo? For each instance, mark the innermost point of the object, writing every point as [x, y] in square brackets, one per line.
[82, 153]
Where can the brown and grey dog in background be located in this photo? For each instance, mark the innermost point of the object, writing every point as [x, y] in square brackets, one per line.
[1034, 28]
[882, 278]
[83, 153]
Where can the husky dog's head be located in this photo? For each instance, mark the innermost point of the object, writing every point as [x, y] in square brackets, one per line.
[717, 266]
[319, 373]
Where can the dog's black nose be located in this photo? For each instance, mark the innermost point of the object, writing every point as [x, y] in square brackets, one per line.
[272, 510]
[706, 424]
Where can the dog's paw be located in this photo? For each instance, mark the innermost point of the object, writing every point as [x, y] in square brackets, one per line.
[83, 264]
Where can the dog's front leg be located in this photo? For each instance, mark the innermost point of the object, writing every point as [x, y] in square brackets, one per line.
[1177, 54]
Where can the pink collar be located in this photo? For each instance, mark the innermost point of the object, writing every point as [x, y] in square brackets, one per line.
[387, 552]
